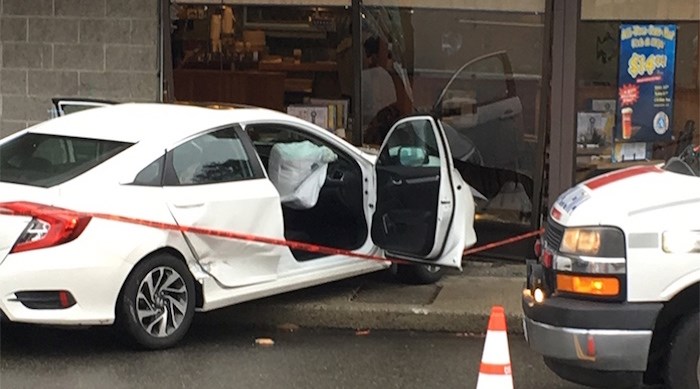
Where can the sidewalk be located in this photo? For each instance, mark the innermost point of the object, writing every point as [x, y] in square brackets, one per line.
[460, 302]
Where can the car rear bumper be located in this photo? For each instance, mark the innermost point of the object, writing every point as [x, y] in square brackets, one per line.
[94, 285]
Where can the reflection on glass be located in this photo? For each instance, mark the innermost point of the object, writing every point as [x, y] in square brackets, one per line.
[465, 67]
[597, 103]
[211, 158]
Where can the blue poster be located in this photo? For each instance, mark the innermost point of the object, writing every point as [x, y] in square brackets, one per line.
[645, 82]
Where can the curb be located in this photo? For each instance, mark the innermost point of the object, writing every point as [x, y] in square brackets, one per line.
[462, 306]
[420, 319]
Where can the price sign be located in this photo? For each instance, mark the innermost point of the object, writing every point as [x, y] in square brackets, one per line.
[645, 82]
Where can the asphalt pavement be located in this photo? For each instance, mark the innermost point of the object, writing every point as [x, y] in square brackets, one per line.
[227, 356]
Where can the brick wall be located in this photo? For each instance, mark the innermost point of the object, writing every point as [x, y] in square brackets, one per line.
[104, 49]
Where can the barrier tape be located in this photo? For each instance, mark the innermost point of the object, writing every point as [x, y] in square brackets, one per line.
[296, 245]
[503, 242]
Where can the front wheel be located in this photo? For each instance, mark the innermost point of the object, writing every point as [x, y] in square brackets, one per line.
[419, 274]
[157, 303]
[684, 355]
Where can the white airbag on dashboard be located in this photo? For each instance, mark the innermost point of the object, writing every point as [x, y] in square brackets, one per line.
[298, 171]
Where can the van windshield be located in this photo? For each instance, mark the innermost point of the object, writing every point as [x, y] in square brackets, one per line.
[687, 162]
[47, 160]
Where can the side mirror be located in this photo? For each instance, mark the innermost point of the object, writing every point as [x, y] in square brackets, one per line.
[412, 156]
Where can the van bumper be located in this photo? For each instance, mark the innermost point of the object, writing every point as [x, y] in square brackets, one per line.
[596, 349]
[596, 343]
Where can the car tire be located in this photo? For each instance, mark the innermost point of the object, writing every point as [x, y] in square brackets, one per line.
[419, 274]
[156, 305]
[682, 366]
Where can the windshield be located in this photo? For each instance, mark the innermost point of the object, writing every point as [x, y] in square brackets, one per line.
[688, 162]
[48, 160]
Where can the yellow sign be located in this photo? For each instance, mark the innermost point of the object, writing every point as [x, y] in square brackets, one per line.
[639, 64]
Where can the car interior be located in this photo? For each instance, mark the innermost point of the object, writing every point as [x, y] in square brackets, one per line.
[337, 219]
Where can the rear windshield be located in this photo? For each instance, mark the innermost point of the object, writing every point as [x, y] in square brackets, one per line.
[48, 160]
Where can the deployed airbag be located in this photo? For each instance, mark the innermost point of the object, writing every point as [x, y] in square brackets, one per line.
[298, 171]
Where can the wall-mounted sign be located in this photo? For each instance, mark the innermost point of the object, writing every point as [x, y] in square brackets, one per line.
[645, 82]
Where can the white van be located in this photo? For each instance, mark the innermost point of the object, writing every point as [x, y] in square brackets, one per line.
[613, 299]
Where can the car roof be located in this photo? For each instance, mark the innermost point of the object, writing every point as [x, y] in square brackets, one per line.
[137, 122]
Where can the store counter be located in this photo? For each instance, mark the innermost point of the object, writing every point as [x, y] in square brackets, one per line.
[257, 88]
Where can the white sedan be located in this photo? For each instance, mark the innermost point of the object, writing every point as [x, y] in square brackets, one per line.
[105, 213]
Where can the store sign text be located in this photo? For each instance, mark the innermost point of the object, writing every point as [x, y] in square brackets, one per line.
[651, 30]
[639, 64]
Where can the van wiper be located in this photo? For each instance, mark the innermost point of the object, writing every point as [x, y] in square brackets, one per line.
[687, 162]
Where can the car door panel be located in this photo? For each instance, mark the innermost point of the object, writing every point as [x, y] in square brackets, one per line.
[420, 209]
[249, 207]
[214, 182]
[407, 199]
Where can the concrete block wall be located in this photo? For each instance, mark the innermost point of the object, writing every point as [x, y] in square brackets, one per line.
[106, 49]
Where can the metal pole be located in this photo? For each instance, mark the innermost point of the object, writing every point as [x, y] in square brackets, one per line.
[165, 53]
[562, 135]
[356, 9]
[543, 125]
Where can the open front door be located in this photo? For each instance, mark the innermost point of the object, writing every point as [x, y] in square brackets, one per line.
[65, 106]
[420, 214]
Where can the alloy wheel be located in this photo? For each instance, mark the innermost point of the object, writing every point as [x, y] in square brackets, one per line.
[161, 301]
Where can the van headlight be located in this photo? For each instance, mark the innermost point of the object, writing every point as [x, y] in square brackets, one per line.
[591, 262]
[593, 241]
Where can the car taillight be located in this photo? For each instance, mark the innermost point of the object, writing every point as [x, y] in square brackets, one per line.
[49, 227]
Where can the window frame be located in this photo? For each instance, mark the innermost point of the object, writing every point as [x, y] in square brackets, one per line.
[170, 179]
[385, 158]
[300, 129]
[161, 174]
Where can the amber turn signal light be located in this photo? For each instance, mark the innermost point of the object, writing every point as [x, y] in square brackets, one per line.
[596, 286]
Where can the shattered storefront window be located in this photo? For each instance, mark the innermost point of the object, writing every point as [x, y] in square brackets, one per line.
[464, 66]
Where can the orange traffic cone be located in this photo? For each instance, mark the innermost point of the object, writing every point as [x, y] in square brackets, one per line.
[495, 371]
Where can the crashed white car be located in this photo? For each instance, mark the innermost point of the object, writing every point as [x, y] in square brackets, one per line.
[118, 214]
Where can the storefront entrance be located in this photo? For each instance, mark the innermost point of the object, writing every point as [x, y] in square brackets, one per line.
[357, 69]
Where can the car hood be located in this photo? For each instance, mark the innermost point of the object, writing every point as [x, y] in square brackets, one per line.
[615, 197]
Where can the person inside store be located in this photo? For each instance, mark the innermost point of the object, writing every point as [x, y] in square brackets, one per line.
[384, 95]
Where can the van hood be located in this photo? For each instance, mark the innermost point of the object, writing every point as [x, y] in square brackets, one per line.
[614, 197]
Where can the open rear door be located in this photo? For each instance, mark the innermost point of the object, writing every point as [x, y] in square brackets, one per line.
[65, 106]
[419, 211]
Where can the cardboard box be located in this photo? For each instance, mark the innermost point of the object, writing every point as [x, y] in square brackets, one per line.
[315, 114]
[340, 108]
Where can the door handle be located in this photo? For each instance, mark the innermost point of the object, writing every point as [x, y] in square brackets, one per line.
[186, 206]
[422, 180]
[396, 181]
[507, 114]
